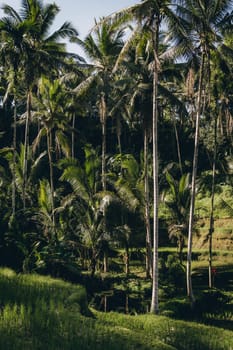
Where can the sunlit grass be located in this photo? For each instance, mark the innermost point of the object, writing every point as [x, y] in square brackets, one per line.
[39, 312]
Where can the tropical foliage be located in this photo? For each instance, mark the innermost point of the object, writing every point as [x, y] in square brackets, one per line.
[95, 152]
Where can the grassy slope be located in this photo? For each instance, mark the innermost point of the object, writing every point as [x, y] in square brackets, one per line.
[43, 313]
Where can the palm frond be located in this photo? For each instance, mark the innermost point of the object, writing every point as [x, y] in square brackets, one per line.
[12, 13]
[84, 85]
[65, 31]
[125, 49]
[227, 207]
[75, 177]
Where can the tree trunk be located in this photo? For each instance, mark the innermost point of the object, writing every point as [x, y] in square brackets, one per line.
[193, 186]
[49, 149]
[118, 132]
[26, 146]
[72, 136]
[126, 260]
[147, 209]
[155, 284]
[211, 228]
[180, 249]
[14, 162]
[178, 146]
[93, 262]
[105, 261]
[103, 123]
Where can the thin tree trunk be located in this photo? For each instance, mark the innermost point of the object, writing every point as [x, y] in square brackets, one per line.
[177, 145]
[193, 186]
[103, 115]
[49, 148]
[147, 209]
[211, 228]
[118, 132]
[72, 136]
[93, 262]
[14, 162]
[103, 123]
[127, 261]
[105, 262]
[180, 249]
[26, 146]
[155, 284]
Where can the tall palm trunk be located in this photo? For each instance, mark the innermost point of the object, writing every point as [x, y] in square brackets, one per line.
[26, 146]
[14, 162]
[118, 132]
[147, 209]
[211, 228]
[177, 145]
[155, 284]
[103, 116]
[73, 136]
[193, 186]
[49, 149]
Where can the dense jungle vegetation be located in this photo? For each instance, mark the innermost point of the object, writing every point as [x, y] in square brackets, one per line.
[116, 176]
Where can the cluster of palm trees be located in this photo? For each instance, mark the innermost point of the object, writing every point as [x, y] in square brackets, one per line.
[85, 146]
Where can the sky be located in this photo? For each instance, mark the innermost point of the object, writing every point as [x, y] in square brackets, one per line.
[81, 13]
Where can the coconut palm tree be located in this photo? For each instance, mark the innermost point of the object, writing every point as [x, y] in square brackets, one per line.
[149, 16]
[141, 108]
[91, 203]
[38, 50]
[204, 21]
[177, 199]
[10, 53]
[54, 123]
[102, 47]
[127, 178]
[16, 161]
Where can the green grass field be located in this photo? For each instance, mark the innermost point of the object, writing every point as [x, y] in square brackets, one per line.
[43, 313]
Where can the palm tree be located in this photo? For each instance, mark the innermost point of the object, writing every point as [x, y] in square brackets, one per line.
[10, 53]
[149, 15]
[127, 179]
[205, 20]
[15, 161]
[90, 201]
[54, 124]
[177, 199]
[45, 215]
[102, 47]
[141, 106]
[38, 50]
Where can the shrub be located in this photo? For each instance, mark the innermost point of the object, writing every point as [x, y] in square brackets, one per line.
[210, 301]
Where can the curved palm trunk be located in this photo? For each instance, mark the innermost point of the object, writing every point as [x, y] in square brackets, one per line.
[147, 209]
[193, 185]
[155, 284]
